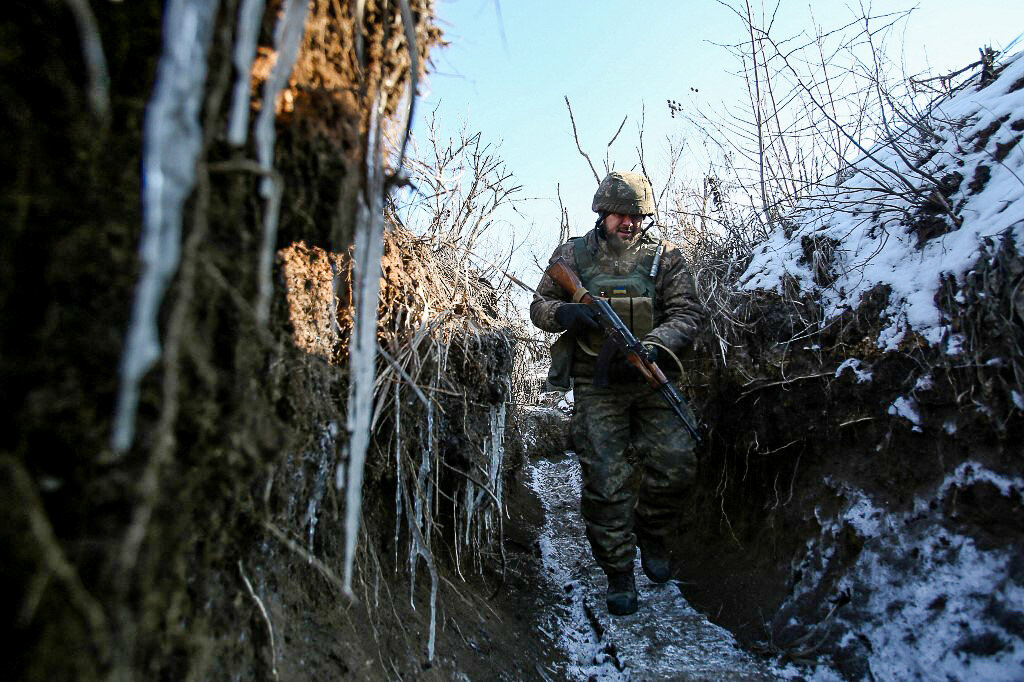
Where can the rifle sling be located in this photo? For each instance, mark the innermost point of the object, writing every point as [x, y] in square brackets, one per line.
[604, 359]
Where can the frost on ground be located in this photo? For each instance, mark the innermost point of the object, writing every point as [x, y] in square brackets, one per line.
[915, 571]
[921, 600]
[978, 147]
[665, 640]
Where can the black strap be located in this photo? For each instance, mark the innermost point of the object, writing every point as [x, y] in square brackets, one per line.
[604, 359]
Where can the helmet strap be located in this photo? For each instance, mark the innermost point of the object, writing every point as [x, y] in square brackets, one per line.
[601, 215]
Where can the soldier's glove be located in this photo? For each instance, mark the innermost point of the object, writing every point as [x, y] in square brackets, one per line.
[622, 371]
[576, 317]
[652, 353]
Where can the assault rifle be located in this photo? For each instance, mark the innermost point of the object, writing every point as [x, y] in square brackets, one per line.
[617, 336]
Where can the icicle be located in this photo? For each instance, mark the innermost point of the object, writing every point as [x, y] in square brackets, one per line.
[420, 548]
[498, 454]
[428, 460]
[421, 512]
[497, 450]
[92, 55]
[362, 358]
[172, 138]
[432, 637]
[246, 35]
[434, 488]
[265, 282]
[398, 465]
[328, 436]
[288, 33]
[287, 36]
[337, 274]
[468, 506]
[358, 30]
[409, 24]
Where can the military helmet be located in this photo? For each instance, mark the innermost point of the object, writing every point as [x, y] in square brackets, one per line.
[625, 193]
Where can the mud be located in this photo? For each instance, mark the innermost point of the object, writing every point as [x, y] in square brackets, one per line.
[773, 547]
[137, 566]
[211, 550]
[665, 640]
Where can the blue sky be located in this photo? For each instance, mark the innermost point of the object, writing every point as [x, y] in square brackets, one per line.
[510, 65]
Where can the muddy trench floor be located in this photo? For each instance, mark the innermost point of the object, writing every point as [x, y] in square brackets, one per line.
[666, 639]
[548, 619]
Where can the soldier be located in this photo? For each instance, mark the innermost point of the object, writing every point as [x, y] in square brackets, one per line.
[651, 288]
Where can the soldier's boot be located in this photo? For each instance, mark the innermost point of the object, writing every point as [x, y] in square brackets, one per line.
[654, 559]
[621, 593]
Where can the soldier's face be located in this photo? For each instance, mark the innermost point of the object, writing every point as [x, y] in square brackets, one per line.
[622, 228]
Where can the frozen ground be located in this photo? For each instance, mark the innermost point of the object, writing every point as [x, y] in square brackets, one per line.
[935, 592]
[977, 134]
[665, 640]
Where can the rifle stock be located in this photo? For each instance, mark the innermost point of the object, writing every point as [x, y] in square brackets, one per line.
[567, 278]
[618, 333]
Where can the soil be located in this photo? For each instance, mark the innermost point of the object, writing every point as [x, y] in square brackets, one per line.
[482, 630]
[212, 549]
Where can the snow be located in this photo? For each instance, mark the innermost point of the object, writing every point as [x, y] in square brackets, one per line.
[907, 409]
[922, 619]
[969, 473]
[955, 344]
[665, 640]
[924, 383]
[1018, 399]
[864, 517]
[878, 250]
[857, 367]
[566, 402]
[952, 573]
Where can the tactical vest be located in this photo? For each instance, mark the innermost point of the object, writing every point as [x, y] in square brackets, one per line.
[631, 296]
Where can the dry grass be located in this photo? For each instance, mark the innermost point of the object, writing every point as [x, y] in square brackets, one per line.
[445, 371]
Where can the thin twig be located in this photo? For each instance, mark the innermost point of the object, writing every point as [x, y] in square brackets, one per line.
[577, 138]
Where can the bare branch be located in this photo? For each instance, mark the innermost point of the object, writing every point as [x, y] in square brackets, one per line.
[577, 138]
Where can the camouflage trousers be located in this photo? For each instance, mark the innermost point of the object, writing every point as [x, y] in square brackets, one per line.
[637, 461]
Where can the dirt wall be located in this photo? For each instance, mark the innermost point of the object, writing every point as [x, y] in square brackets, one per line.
[816, 466]
[194, 555]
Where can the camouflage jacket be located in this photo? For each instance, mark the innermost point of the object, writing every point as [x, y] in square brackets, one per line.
[677, 312]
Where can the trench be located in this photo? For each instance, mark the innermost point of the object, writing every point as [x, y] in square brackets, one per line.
[666, 639]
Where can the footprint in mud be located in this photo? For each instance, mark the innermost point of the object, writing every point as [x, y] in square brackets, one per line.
[665, 640]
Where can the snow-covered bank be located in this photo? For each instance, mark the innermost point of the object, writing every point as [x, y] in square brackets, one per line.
[863, 479]
[921, 600]
[976, 150]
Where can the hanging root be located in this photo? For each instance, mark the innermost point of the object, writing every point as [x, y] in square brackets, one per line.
[266, 618]
[53, 562]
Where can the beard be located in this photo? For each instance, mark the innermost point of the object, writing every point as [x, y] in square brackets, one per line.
[620, 239]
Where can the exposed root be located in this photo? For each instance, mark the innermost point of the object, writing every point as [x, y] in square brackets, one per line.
[266, 619]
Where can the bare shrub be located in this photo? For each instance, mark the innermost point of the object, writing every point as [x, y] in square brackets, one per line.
[831, 126]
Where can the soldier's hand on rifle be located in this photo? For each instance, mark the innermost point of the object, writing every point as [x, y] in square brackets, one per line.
[652, 353]
[576, 317]
[621, 370]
